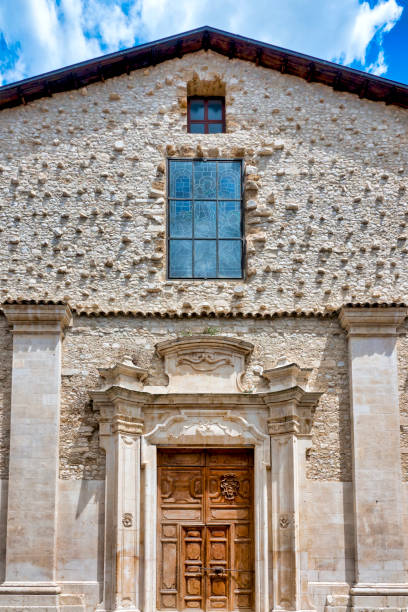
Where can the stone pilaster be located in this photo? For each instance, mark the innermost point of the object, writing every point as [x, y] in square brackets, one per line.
[33, 473]
[291, 408]
[121, 425]
[380, 579]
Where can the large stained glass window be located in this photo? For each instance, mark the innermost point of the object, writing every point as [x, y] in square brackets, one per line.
[205, 238]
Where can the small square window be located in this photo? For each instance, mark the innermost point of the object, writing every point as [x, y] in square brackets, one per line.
[205, 221]
[206, 115]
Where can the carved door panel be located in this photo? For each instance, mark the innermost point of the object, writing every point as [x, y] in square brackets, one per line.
[205, 523]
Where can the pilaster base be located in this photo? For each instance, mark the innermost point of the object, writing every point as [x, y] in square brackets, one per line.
[29, 596]
[387, 597]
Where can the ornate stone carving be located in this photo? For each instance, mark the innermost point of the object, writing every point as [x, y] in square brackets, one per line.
[127, 519]
[284, 521]
[214, 364]
[291, 403]
[192, 427]
[124, 374]
[286, 376]
[229, 486]
[204, 362]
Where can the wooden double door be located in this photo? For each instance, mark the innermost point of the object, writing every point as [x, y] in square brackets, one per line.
[205, 529]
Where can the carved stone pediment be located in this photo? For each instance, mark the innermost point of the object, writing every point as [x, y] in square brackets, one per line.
[204, 364]
[192, 427]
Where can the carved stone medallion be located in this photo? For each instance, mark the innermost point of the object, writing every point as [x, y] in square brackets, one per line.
[127, 519]
[229, 486]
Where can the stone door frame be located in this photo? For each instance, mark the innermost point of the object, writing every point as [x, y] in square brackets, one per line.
[202, 419]
[216, 432]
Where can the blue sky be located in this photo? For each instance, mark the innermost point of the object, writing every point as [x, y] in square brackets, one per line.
[41, 35]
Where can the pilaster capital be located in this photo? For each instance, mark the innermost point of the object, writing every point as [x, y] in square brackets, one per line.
[38, 318]
[127, 425]
[372, 321]
[291, 411]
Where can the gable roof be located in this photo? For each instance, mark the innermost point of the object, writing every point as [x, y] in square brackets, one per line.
[230, 45]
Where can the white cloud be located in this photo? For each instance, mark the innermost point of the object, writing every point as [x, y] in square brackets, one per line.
[378, 67]
[49, 36]
[368, 22]
[55, 33]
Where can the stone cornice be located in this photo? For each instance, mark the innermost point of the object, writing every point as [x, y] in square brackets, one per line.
[118, 396]
[199, 342]
[291, 411]
[373, 322]
[287, 376]
[38, 318]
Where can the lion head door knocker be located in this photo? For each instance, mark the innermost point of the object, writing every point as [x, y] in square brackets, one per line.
[229, 486]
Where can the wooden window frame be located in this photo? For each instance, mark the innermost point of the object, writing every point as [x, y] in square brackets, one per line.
[206, 121]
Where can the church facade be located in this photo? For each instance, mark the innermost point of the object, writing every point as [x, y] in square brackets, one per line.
[204, 333]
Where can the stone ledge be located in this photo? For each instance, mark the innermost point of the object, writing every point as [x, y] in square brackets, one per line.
[38, 318]
[372, 321]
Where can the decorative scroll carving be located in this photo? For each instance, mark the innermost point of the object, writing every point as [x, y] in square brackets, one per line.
[229, 486]
[191, 425]
[204, 362]
[210, 364]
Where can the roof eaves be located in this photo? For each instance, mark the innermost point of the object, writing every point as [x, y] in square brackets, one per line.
[233, 46]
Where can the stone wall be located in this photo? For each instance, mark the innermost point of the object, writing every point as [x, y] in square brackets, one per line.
[98, 342]
[82, 192]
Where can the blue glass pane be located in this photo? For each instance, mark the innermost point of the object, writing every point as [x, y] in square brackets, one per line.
[197, 128]
[215, 128]
[181, 264]
[205, 221]
[196, 109]
[180, 179]
[181, 219]
[229, 180]
[230, 255]
[215, 109]
[205, 174]
[229, 219]
[205, 259]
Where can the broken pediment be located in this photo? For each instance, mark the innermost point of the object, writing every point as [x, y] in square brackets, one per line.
[286, 375]
[204, 364]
